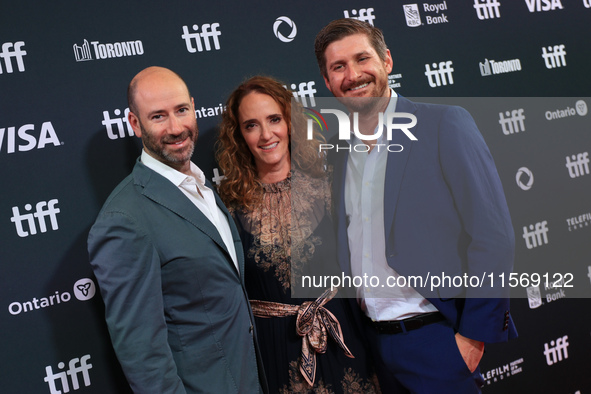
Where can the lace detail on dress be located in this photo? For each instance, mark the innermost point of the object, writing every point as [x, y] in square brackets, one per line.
[283, 224]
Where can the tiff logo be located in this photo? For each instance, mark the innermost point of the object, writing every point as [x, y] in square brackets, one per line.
[13, 50]
[587, 3]
[365, 15]
[118, 122]
[513, 123]
[217, 177]
[537, 236]
[73, 371]
[557, 350]
[554, 57]
[578, 165]
[42, 209]
[302, 91]
[487, 9]
[440, 76]
[208, 31]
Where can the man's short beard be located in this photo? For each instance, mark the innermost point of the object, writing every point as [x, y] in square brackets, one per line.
[160, 151]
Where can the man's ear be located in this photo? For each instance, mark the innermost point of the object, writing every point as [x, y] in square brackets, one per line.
[389, 63]
[326, 83]
[134, 121]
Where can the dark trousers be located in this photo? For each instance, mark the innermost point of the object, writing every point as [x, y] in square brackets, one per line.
[422, 361]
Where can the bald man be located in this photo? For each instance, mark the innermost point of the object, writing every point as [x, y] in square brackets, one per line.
[168, 259]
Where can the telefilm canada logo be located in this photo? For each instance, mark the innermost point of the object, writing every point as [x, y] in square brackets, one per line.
[348, 126]
[503, 372]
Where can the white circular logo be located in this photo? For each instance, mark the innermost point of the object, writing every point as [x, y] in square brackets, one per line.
[581, 107]
[290, 23]
[84, 289]
[524, 171]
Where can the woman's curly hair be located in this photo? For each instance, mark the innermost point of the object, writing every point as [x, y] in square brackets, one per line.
[241, 187]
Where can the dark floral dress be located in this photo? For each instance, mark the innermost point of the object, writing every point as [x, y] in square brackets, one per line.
[288, 236]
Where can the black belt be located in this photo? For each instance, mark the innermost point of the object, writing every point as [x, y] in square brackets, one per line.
[412, 323]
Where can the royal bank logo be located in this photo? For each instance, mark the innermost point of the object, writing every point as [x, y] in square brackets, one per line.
[557, 350]
[503, 372]
[440, 75]
[303, 91]
[291, 26]
[26, 137]
[487, 9]
[512, 121]
[58, 382]
[492, 67]
[100, 50]
[412, 15]
[536, 235]
[12, 51]
[534, 297]
[554, 56]
[524, 178]
[578, 164]
[202, 37]
[543, 5]
[553, 291]
[363, 15]
[433, 14]
[30, 223]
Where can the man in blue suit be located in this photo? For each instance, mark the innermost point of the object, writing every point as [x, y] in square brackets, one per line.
[168, 259]
[430, 204]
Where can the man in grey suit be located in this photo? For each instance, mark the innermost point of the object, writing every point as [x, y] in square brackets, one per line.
[168, 259]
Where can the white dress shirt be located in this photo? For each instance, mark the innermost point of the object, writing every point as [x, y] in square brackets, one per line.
[200, 195]
[364, 204]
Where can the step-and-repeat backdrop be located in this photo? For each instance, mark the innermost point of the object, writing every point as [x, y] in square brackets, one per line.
[521, 67]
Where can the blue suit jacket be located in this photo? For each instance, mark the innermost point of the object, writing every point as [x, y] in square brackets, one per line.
[176, 308]
[445, 213]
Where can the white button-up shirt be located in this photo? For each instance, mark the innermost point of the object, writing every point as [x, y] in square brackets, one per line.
[364, 204]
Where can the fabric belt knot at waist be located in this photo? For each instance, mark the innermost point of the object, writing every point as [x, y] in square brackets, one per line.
[313, 322]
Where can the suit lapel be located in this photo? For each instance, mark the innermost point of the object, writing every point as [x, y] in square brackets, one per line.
[233, 229]
[160, 190]
[396, 167]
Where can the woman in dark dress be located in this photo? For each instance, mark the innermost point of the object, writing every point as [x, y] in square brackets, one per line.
[277, 188]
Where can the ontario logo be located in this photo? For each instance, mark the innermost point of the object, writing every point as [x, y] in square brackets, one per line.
[384, 124]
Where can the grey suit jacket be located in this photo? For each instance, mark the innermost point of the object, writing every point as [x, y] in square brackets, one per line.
[176, 308]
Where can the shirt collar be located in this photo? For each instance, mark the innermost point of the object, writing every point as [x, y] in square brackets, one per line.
[176, 177]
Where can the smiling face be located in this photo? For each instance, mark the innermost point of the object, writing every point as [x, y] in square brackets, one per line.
[265, 130]
[354, 69]
[165, 120]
